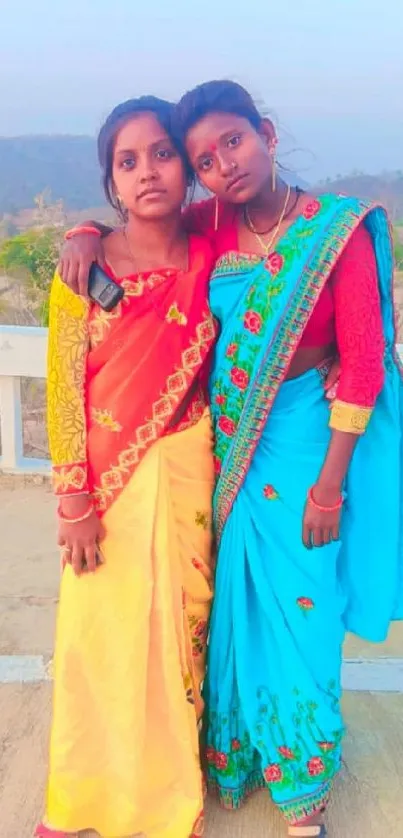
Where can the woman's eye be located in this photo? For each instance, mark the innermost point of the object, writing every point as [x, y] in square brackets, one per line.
[165, 154]
[234, 141]
[206, 164]
[128, 163]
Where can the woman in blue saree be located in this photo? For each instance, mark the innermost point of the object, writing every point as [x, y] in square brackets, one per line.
[317, 281]
[308, 512]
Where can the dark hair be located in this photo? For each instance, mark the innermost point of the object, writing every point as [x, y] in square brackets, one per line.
[161, 109]
[219, 96]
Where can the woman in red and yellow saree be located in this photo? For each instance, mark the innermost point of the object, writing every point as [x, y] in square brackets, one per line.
[131, 445]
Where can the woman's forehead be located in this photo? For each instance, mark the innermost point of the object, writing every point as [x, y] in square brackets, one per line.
[212, 127]
[143, 129]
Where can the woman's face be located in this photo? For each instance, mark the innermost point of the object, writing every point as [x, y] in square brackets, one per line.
[230, 157]
[147, 172]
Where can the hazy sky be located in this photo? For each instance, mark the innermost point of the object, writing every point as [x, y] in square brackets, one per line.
[330, 71]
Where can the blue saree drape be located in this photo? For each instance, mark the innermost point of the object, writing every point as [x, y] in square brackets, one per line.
[281, 611]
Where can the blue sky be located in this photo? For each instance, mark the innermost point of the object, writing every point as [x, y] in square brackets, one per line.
[331, 73]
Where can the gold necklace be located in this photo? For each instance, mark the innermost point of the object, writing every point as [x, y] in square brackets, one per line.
[267, 246]
[129, 249]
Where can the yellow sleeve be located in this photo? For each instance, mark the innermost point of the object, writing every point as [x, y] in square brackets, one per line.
[67, 356]
[350, 418]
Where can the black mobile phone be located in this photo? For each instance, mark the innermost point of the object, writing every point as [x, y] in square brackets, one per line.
[102, 289]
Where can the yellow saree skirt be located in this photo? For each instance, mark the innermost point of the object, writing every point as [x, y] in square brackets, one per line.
[130, 656]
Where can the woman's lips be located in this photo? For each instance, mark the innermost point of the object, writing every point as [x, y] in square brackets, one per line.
[236, 181]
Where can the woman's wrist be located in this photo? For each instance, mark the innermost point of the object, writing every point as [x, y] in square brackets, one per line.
[327, 494]
[84, 230]
[73, 506]
[89, 228]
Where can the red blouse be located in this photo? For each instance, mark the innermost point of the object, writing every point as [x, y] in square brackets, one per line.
[347, 313]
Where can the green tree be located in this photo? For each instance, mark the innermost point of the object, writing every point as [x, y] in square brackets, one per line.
[398, 246]
[30, 258]
[398, 249]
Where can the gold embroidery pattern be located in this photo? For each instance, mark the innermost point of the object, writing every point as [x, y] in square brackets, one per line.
[104, 419]
[113, 480]
[350, 418]
[67, 352]
[176, 316]
[234, 261]
[137, 287]
[70, 479]
[100, 321]
[202, 520]
[195, 412]
[133, 287]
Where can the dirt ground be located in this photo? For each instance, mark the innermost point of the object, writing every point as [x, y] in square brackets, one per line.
[367, 796]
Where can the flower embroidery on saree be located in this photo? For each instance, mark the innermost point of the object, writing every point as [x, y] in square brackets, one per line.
[306, 604]
[271, 759]
[265, 332]
[270, 493]
[198, 631]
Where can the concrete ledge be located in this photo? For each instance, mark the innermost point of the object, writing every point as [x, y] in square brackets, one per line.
[383, 675]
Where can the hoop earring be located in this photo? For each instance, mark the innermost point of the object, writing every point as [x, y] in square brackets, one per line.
[272, 150]
[216, 215]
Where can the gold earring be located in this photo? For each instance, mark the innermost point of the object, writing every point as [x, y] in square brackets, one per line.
[216, 215]
[273, 146]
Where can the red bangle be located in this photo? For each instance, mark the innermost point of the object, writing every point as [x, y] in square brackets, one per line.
[320, 508]
[81, 231]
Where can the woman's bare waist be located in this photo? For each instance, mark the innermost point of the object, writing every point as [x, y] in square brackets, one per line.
[307, 359]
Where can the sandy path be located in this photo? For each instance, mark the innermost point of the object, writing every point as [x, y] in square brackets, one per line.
[368, 795]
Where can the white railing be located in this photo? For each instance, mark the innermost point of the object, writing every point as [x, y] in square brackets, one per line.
[22, 355]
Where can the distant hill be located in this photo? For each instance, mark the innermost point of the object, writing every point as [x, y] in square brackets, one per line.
[67, 167]
[386, 188]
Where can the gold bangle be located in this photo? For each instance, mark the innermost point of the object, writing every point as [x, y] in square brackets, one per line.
[78, 520]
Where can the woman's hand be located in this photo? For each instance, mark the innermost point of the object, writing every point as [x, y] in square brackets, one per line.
[322, 526]
[80, 542]
[76, 258]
